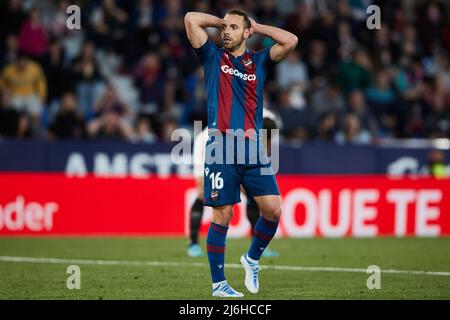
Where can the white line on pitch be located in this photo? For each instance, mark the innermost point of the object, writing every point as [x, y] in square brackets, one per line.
[200, 264]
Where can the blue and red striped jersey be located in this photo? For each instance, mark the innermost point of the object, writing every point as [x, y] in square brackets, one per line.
[234, 87]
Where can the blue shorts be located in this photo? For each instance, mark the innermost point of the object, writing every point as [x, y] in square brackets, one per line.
[224, 175]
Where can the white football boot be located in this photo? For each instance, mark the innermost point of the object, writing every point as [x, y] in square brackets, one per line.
[223, 289]
[251, 273]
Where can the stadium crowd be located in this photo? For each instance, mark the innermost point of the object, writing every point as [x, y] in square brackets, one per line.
[130, 73]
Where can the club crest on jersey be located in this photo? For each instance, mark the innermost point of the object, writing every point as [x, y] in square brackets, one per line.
[214, 195]
[247, 62]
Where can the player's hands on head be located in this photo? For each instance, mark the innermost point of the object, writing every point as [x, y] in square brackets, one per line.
[253, 26]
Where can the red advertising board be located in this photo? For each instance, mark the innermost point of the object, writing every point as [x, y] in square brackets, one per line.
[326, 206]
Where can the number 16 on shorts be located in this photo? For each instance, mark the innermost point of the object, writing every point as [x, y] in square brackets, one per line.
[216, 181]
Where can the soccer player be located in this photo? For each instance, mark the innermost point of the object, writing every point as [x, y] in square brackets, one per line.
[270, 122]
[234, 80]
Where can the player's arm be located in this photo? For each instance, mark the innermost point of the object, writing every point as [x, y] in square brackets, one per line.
[285, 40]
[196, 22]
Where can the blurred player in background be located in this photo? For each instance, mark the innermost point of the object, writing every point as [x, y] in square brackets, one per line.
[234, 80]
[436, 165]
[270, 122]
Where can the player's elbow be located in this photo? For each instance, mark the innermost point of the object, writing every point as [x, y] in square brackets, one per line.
[292, 42]
[189, 18]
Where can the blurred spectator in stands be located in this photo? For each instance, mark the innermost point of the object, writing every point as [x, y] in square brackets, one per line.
[108, 21]
[388, 125]
[296, 123]
[170, 55]
[326, 129]
[194, 96]
[410, 46]
[149, 80]
[145, 33]
[284, 7]
[430, 23]
[292, 72]
[439, 66]
[27, 83]
[409, 79]
[380, 95]
[300, 22]
[112, 117]
[346, 42]
[382, 38]
[410, 84]
[11, 51]
[266, 13]
[110, 126]
[355, 73]
[60, 79]
[357, 105]
[344, 12]
[436, 104]
[168, 127]
[398, 21]
[57, 26]
[327, 99]
[359, 8]
[88, 79]
[435, 93]
[13, 124]
[317, 63]
[111, 102]
[325, 29]
[144, 131]
[68, 122]
[352, 132]
[415, 123]
[9, 117]
[171, 19]
[33, 38]
[12, 17]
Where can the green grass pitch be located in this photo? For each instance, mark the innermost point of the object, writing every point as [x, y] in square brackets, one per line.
[181, 277]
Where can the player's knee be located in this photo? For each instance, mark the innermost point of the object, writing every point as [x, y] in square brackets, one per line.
[226, 215]
[222, 215]
[276, 213]
[273, 213]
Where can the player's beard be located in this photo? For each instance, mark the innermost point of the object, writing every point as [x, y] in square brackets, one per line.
[233, 46]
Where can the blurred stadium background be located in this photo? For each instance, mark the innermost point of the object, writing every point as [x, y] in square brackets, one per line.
[86, 118]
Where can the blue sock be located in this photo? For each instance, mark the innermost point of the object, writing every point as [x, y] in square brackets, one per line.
[264, 232]
[215, 245]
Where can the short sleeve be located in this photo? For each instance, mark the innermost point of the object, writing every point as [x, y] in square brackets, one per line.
[264, 57]
[206, 51]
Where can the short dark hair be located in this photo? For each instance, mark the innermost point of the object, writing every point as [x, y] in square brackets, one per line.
[243, 14]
